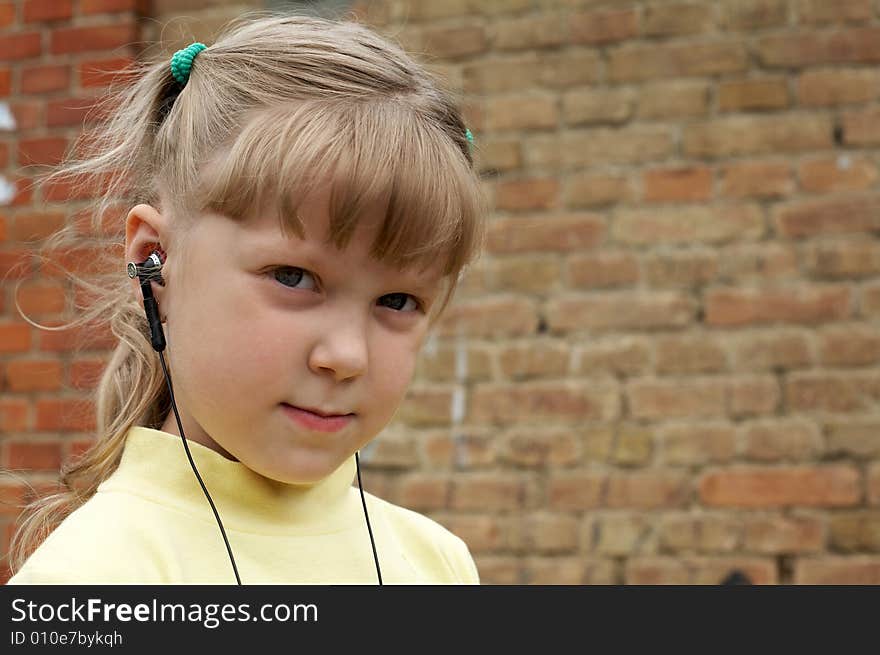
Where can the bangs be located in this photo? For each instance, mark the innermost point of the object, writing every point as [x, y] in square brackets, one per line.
[371, 153]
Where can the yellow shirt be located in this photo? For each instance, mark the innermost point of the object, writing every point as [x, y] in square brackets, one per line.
[150, 523]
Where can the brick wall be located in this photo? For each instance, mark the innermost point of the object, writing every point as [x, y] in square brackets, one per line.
[665, 367]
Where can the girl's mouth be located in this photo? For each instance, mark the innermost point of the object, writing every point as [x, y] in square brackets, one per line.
[316, 422]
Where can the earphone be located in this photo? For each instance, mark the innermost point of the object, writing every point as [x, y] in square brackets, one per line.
[148, 271]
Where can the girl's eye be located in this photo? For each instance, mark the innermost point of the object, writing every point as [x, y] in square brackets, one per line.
[292, 274]
[399, 301]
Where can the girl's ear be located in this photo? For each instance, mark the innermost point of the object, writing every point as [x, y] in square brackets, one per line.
[145, 228]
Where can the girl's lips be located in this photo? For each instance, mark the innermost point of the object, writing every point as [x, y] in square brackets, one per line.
[315, 422]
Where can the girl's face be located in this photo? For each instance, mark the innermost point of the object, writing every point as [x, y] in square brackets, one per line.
[255, 320]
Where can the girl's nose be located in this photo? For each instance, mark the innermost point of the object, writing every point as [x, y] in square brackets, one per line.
[342, 352]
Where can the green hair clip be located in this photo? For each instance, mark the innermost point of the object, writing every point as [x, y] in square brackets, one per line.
[182, 61]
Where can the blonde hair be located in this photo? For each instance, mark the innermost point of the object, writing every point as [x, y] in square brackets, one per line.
[289, 101]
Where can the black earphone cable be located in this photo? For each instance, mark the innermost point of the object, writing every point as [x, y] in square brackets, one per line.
[357, 463]
[195, 470]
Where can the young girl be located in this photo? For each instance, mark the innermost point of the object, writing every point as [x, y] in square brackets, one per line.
[301, 203]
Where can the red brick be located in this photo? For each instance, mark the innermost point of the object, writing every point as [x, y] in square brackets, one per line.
[757, 179]
[562, 570]
[657, 61]
[47, 10]
[454, 42]
[603, 270]
[41, 298]
[488, 491]
[874, 484]
[587, 189]
[856, 45]
[673, 99]
[63, 415]
[28, 114]
[692, 353]
[833, 215]
[539, 360]
[5, 82]
[540, 401]
[754, 93]
[538, 449]
[676, 19]
[34, 456]
[15, 337]
[837, 87]
[803, 486]
[753, 14]
[90, 338]
[35, 225]
[33, 375]
[853, 438]
[84, 186]
[832, 391]
[697, 570]
[690, 183]
[15, 264]
[840, 173]
[861, 128]
[20, 46]
[628, 356]
[854, 531]
[817, 12]
[684, 268]
[558, 233]
[688, 224]
[806, 304]
[72, 111]
[101, 72]
[753, 395]
[7, 14]
[850, 345]
[525, 111]
[775, 440]
[774, 534]
[501, 316]
[46, 150]
[756, 134]
[43, 79]
[535, 193]
[575, 491]
[599, 27]
[85, 374]
[421, 491]
[13, 412]
[72, 40]
[698, 443]
[87, 7]
[529, 33]
[664, 399]
[648, 489]
[620, 310]
[773, 349]
[829, 570]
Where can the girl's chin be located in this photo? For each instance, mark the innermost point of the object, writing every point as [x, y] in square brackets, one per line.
[304, 467]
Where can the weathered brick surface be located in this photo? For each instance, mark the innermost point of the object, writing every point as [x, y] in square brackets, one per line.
[665, 366]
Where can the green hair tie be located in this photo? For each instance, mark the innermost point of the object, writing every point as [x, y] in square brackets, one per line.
[182, 61]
